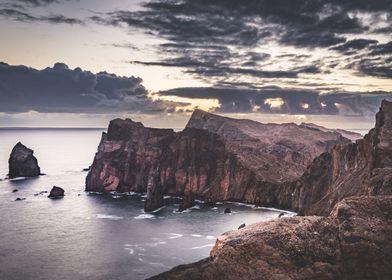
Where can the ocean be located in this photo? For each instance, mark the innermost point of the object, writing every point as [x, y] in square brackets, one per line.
[95, 236]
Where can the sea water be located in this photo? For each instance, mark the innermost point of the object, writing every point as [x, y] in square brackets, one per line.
[94, 236]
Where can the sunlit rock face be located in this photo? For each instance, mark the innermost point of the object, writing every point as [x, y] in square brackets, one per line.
[360, 168]
[22, 162]
[214, 158]
[353, 242]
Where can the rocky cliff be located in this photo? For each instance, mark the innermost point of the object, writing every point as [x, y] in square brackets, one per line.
[22, 162]
[214, 158]
[353, 242]
[360, 168]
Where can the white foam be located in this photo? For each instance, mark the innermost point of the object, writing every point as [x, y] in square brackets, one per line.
[155, 244]
[159, 264]
[210, 237]
[18, 178]
[175, 235]
[131, 251]
[157, 210]
[144, 216]
[196, 235]
[109, 217]
[201, 247]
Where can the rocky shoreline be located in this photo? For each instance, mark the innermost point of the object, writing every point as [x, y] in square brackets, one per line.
[350, 190]
[353, 242]
[343, 190]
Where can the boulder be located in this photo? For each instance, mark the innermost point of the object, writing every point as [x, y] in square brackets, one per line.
[22, 162]
[56, 192]
[353, 242]
[241, 226]
[227, 210]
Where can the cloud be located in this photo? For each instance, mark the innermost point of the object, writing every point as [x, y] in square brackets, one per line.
[287, 100]
[18, 15]
[60, 89]
[37, 2]
[210, 39]
[352, 46]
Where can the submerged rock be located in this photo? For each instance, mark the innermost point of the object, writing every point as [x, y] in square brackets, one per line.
[22, 162]
[20, 199]
[40, 193]
[154, 198]
[353, 242]
[15, 190]
[227, 210]
[56, 192]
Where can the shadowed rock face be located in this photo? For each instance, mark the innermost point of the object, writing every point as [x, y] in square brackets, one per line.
[353, 242]
[361, 168]
[154, 198]
[22, 162]
[214, 158]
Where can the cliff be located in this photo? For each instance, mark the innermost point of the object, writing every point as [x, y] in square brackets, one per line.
[360, 168]
[353, 242]
[214, 158]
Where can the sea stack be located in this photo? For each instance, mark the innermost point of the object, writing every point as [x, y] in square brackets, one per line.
[154, 199]
[22, 162]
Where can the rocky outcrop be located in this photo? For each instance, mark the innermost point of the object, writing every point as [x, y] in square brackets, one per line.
[214, 158]
[154, 198]
[56, 192]
[353, 242]
[127, 155]
[360, 168]
[22, 162]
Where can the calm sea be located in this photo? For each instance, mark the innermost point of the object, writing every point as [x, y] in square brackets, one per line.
[91, 236]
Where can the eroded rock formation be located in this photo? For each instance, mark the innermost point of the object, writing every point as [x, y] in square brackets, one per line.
[22, 162]
[353, 242]
[154, 198]
[360, 168]
[214, 158]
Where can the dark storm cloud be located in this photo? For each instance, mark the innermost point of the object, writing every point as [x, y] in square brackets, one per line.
[37, 2]
[18, 15]
[60, 89]
[354, 45]
[256, 100]
[195, 28]
[33, 3]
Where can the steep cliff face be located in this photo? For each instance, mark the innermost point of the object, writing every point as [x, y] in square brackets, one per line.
[361, 168]
[214, 158]
[353, 242]
[274, 152]
[127, 156]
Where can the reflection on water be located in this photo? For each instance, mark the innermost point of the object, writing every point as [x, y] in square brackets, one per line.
[91, 236]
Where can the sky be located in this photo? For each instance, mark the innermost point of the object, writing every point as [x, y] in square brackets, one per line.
[84, 62]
